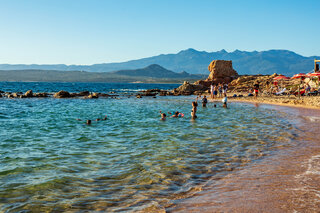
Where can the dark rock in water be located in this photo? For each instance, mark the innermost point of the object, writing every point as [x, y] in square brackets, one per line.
[41, 95]
[163, 93]
[10, 95]
[152, 90]
[29, 94]
[15, 95]
[84, 93]
[93, 95]
[107, 95]
[62, 94]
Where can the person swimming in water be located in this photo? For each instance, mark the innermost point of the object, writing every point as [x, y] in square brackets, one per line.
[88, 122]
[163, 116]
[175, 115]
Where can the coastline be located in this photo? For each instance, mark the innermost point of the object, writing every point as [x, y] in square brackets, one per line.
[308, 102]
[286, 181]
[304, 102]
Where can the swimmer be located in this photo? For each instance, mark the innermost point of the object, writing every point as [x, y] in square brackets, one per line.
[163, 116]
[214, 105]
[105, 118]
[98, 119]
[175, 115]
[204, 101]
[88, 122]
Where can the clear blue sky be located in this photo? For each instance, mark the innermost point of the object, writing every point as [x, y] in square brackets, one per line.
[98, 31]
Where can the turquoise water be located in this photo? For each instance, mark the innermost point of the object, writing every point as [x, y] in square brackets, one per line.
[49, 161]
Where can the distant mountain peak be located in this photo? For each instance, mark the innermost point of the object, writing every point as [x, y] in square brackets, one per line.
[222, 51]
[189, 50]
[155, 66]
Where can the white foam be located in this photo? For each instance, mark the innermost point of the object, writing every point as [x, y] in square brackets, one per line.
[313, 165]
[313, 118]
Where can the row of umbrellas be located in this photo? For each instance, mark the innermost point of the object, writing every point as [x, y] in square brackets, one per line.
[300, 75]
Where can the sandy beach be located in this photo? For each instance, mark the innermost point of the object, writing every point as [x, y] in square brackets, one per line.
[285, 182]
[310, 102]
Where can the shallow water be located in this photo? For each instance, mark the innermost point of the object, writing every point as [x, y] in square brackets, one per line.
[49, 161]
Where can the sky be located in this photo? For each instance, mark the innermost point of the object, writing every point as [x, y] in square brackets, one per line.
[104, 31]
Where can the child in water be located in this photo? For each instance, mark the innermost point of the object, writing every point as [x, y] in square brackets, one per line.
[163, 116]
[204, 101]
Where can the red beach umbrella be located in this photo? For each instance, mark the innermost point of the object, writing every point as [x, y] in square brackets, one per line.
[280, 77]
[300, 75]
[315, 74]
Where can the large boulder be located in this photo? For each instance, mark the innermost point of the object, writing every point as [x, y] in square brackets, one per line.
[221, 71]
[188, 89]
[62, 94]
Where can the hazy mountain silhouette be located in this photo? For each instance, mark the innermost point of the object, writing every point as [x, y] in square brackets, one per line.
[152, 73]
[196, 62]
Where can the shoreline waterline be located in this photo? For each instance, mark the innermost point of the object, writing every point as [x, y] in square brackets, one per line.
[285, 181]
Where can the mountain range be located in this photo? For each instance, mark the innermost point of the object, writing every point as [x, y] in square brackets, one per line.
[150, 74]
[196, 62]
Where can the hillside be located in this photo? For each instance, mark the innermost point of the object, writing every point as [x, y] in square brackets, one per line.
[196, 62]
[152, 73]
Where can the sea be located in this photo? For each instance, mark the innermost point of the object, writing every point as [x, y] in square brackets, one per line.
[51, 161]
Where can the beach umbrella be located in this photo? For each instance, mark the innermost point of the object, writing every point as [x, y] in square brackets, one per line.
[315, 74]
[280, 77]
[300, 75]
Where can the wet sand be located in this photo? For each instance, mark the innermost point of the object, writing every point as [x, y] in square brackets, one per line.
[286, 181]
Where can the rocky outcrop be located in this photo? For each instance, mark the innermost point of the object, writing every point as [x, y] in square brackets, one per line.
[41, 95]
[93, 95]
[28, 94]
[221, 71]
[62, 94]
[188, 89]
[84, 93]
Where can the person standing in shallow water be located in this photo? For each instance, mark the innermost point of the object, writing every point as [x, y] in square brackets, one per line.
[256, 89]
[194, 109]
[211, 91]
[204, 101]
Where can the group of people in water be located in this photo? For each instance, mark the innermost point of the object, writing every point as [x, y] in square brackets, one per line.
[88, 122]
[194, 104]
[178, 114]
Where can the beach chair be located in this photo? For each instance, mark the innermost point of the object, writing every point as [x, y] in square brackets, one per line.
[282, 92]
